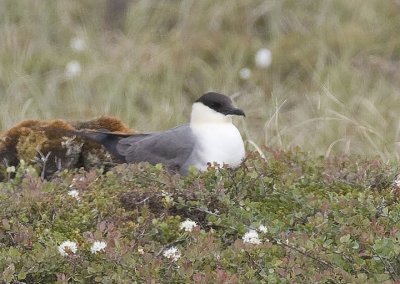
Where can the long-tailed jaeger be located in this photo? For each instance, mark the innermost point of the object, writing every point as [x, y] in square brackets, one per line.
[209, 137]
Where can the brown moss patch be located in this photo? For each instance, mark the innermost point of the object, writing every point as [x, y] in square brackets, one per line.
[109, 123]
[54, 142]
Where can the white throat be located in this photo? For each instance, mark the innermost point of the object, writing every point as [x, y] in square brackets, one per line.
[203, 114]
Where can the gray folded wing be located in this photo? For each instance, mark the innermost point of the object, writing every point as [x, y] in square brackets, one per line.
[172, 147]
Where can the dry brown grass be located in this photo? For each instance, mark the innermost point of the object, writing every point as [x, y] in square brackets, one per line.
[333, 86]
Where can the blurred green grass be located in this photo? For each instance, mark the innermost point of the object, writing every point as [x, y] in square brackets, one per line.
[333, 86]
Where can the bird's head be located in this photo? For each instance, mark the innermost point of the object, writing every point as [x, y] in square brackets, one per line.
[213, 107]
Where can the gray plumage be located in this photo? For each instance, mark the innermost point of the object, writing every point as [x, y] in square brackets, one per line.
[172, 147]
[210, 137]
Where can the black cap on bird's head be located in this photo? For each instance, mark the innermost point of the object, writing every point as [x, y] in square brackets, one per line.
[220, 103]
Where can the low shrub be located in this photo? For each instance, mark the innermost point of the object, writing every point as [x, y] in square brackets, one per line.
[291, 218]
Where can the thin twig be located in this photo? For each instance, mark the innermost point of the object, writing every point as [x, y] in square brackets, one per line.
[321, 261]
[148, 179]
[351, 261]
[388, 269]
[42, 161]
[204, 211]
[233, 181]
[143, 201]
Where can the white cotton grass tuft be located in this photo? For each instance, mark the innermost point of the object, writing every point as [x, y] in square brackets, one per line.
[67, 247]
[74, 193]
[73, 69]
[98, 246]
[263, 58]
[172, 253]
[245, 73]
[251, 237]
[78, 44]
[188, 225]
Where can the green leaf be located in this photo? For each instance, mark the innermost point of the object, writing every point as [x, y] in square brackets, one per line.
[345, 238]
[8, 273]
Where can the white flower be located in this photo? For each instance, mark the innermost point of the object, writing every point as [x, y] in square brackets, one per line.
[188, 225]
[67, 247]
[76, 180]
[77, 44]
[98, 246]
[73, 183]
[172, 253]
[245, 73]
[263, 58]
[10, 170]
[73, 69]
[263, 229]
[251, 237]
[140, 250]
[74, 193]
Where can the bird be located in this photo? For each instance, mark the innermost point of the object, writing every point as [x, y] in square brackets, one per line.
[210, 137]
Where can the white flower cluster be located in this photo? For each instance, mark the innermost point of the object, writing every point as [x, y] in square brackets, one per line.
[67, 247]
[251, 237]
[74, 193]
[188, 225]
[172, 253]
[140, 250]
[10, 169]
[263, 229]
[76, 180]
[98, 246]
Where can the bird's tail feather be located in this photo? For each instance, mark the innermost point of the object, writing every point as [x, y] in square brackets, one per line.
[103, 137]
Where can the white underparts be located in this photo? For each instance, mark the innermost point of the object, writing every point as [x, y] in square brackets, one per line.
[217, 139]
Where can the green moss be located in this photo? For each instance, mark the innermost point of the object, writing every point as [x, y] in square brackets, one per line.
[28, 145]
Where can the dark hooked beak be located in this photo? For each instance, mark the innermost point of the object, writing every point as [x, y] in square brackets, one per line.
[234, 111]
